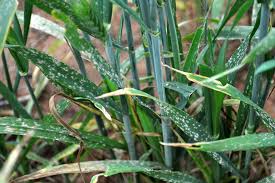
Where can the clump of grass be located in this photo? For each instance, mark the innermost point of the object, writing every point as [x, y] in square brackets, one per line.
[195, 108]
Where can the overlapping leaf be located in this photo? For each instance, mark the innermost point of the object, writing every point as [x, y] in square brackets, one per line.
[54, 132]
[186, 123]
[70, 81]
[231, 91]
[113, 167]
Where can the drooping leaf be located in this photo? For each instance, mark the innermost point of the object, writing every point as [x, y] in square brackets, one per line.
[240, 143]
[54, 132]
[70, 81]
[231, 91]
[186, 123]
[112, 167]
[7, 11]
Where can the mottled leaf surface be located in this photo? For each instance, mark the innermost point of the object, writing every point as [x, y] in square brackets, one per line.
[112, 167]
[186, 123]
[240, 143]
[69, 80]
[54, 132]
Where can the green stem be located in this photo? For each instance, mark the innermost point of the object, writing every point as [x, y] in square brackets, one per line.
[119, 38]
[33, 97]
[16, 82]
[155, 53]
[125, 110]
[131, 49]
[161, 12]
[143, 9]
[6, 70]
[263, 30]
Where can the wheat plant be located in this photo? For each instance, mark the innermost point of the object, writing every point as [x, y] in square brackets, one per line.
[185, 120]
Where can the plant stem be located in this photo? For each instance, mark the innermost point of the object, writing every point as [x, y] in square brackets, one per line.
[16, 82]
[33, 97]
[143, 9]
[125, 110]
[263, 30]
[155, 53]
[6, 70]
[131, 49]
[119, 37]
[161, 12]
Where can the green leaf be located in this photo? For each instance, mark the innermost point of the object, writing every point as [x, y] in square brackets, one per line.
[241, 51]
[112, 167]
[147, 123]
[91, 52]
[243, 107]
[11, 98]
[14, 39]
[190, 65]
[269, 179]
[263, 47]
[186, 123]
[181, 88]
[237, 57]
[266, 66]
[54, 132]
[80, 12]
[240, 143]
[125, 65]
[231, 91]
[235, 8]
[27, 18]
[172, 176]
[7, 11]
[70, 81]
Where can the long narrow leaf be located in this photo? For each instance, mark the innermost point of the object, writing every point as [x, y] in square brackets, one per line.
[70, 81]
[186, 123]
[241, 143]
[7, 11]
[113, 167]
[54, 132]
[231, 91]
